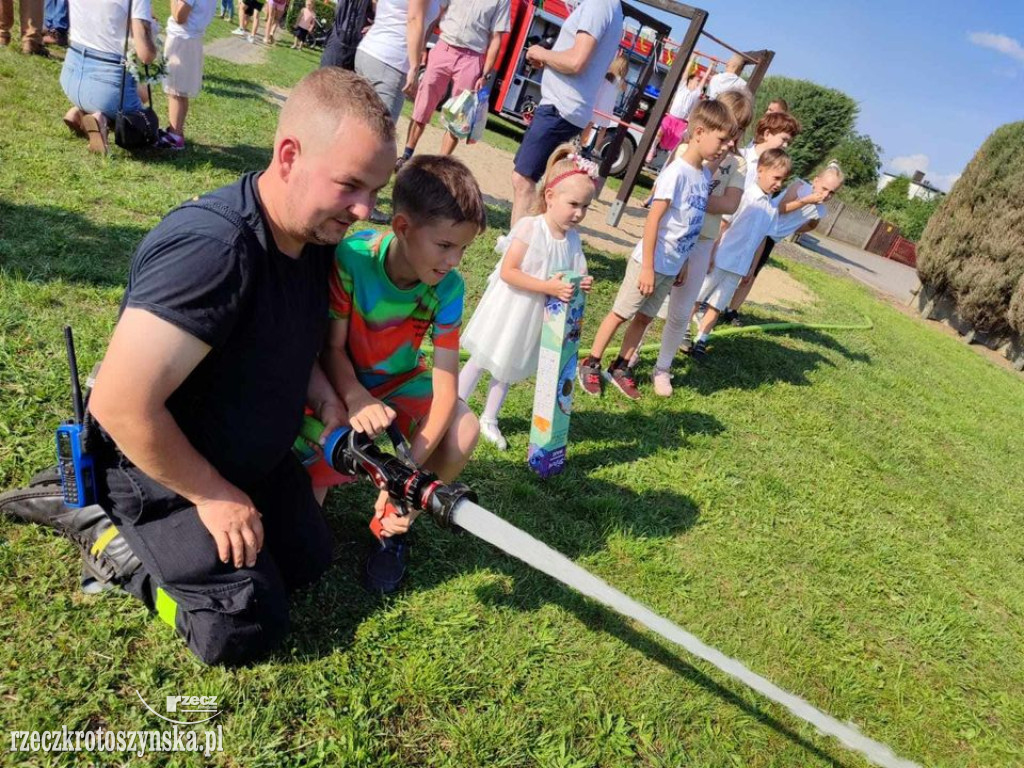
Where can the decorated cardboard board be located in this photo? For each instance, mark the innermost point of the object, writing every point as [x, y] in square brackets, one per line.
[556, 376]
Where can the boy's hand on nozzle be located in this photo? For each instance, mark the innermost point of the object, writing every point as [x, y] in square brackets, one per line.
[391, 523]
[646, 281]
[332, 416]
[370, 416]
[587, 283]
[559, 288]
[681, 277]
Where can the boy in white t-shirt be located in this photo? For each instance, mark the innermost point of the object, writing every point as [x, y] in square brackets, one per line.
[659, 259]
[734, 258]
[800, 208]
[775, 130]
[183, 50]
[729, 80]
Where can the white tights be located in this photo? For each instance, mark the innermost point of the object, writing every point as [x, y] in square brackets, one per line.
[469, 377]
[681, 302]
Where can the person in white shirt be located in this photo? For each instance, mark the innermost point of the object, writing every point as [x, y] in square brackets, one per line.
[734, 258]
[92, 71]
[183, 50]
[661, 258]
[729, 80]
[800, 208]
[390, 52]
[608, 94]
[574, 69]
[673, 124]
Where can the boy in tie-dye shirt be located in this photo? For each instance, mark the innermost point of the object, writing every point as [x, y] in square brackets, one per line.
[389, 291]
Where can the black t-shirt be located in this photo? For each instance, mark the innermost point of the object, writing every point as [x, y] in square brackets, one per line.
[263, 313]
[346, 32]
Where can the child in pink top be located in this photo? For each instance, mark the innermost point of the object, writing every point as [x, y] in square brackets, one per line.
[304, 25]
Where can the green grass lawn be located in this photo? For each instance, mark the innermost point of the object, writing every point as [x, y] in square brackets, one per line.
[841, 511]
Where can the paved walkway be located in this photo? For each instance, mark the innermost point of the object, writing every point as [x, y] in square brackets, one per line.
[237, 50]
[891, 277]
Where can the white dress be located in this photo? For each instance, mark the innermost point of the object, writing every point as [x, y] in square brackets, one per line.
[503, 336]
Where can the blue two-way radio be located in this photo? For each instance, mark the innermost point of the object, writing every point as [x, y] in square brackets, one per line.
[77, 472]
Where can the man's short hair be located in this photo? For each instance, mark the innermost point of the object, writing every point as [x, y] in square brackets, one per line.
[432, 188]
[712, 115]
[781, 102]
[336, 93]
[777, 122]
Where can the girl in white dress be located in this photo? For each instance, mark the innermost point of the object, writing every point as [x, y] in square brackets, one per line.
[503, 336]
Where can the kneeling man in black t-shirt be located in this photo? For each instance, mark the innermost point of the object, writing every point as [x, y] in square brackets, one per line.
[202, 390]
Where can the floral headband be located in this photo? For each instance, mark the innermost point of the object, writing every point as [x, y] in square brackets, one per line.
[580, 166]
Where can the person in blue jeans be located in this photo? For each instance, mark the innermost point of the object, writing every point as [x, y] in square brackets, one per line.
[91, 76]
[574, 69]
[56, 23]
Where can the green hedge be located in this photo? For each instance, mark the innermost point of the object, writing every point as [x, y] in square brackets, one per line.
[973, 248]
[826, 118]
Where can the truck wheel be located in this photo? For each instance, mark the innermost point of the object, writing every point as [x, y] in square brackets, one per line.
[625, 156]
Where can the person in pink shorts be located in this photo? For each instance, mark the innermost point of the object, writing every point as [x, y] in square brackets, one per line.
[463, 57]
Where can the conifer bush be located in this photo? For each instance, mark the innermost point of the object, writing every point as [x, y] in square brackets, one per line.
[973, 247]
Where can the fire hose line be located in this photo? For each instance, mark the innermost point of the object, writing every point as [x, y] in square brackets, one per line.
[732, 330]
[454, 506]
[867, 325]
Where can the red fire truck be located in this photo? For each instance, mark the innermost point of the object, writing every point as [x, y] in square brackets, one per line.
[516, 88]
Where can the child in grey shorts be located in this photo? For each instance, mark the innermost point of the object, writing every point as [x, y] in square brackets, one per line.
[659, 259]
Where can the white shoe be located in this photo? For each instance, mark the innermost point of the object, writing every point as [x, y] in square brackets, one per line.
[662, 382]
[239, 32]
[250, 39]
[490, 432]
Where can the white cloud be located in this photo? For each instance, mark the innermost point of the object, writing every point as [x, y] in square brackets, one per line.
[944, 181]
[1001, 43]
[908, 164]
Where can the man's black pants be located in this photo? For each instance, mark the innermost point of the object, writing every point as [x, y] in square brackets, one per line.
[227, 615]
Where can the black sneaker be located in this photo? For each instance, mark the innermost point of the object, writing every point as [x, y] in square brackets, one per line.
[386, 565]
[699, 349]
[377, 216]
[589, 376]
[728, 316]
[687, 343]
[106, 556]
[622, 379]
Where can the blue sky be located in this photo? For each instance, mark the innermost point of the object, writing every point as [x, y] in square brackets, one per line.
[933, 79]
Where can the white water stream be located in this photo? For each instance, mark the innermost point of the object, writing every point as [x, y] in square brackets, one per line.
[519, 544]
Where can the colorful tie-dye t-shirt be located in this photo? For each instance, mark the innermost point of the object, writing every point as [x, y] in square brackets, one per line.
[386, 324]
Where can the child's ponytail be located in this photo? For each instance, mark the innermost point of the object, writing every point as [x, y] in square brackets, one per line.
[564, 161]
[833, 167]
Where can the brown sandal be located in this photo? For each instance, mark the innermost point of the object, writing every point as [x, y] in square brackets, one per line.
[73, 120]
[95, 126]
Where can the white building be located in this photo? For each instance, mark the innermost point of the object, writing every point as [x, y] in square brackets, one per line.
[919, 188]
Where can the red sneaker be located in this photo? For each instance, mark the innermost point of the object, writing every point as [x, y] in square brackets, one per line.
[622, 379]
[589, 376]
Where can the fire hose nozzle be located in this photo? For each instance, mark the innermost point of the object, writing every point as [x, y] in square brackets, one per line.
[410, 486]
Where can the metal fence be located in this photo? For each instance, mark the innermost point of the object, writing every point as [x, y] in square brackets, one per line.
[904, 251]
[847, 223]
